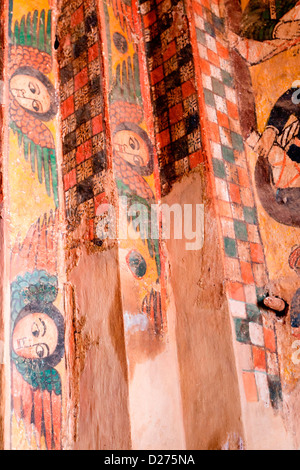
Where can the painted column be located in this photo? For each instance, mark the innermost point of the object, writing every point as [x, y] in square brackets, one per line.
[34, 263]
[110, 167]
[154, 396]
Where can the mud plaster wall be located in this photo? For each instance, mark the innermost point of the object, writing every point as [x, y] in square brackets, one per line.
[103, 421]
[209, 388]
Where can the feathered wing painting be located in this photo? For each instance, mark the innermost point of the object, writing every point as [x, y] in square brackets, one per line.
[37, 337]
[32, 95]
[133, 163]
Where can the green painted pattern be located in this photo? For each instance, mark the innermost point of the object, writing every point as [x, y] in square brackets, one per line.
[42, 160]
[33, 30]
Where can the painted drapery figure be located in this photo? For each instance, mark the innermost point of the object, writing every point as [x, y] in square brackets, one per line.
[267, 29]
[267, 20]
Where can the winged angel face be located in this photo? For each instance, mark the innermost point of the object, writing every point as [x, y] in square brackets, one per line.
[38, 334]
[34, 92]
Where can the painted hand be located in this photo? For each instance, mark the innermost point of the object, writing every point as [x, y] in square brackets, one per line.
[287, 30]
[266, 142]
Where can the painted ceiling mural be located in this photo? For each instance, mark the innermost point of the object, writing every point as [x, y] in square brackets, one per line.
[268, 40]
[37, 321]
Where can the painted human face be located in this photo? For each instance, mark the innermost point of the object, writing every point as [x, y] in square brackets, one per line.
[131, 147]
[30, 93]
[35, 336]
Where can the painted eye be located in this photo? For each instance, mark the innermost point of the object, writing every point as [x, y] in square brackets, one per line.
[40, 351]
[134, 144]
[35, 105]
[35, 330]
[32, 87]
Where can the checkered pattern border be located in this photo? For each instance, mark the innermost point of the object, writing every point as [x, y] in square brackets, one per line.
[244, 260]
[84, 155]
[173, 92]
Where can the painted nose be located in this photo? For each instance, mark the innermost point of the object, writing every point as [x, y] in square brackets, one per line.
[23, 343]
[19, 93]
